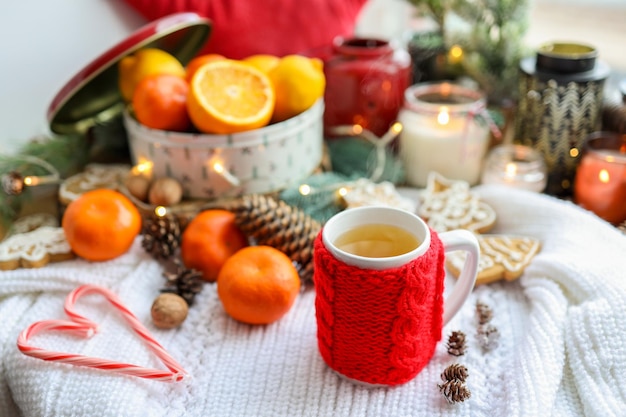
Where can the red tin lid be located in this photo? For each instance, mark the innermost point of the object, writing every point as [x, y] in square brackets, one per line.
[92, 96]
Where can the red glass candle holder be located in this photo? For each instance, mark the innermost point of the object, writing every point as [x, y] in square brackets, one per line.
[600, 184]
[365, 84]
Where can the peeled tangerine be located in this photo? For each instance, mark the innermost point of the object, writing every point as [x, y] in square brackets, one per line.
[298, 82]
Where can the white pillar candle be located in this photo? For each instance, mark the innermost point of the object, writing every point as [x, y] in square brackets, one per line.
[442, 133]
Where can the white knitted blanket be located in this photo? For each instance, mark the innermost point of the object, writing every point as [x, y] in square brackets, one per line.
[561, 351]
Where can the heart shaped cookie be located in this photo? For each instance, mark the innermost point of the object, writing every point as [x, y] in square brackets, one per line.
[84, 327]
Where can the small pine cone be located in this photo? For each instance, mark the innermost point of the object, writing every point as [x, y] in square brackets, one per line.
[455, 391]
[161, 236]
[275, 223]
[456, 343]
[488, 336]
[483, 312]
[184, 282]
[455, 371]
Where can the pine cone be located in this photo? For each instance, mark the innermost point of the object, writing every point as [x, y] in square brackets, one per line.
[275, 223]
[483, 312]
[161, 236]
[456, 343]
[455, 391]
[488, 336]
[455, 371]
[184, 282]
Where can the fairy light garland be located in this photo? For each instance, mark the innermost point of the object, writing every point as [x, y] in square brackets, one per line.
[380, 145]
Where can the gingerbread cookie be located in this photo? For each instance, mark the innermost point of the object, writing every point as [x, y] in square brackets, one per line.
[34, 249]
[448, 205]
[32, 222]
[367, 193]
[501, 257]
[94, 176]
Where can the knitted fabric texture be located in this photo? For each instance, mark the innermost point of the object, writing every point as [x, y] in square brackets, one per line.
[379, 327]
[559, 354]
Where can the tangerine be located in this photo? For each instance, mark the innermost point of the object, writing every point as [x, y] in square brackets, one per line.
[209, 239]
[101, 224]
[160, 102]
[258, 285]
[199, 61]
[228, 96]
[133, 68]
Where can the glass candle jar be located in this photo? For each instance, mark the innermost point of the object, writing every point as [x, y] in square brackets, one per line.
[365, 84]
[442, 131]
[600, 184]
[515, 166]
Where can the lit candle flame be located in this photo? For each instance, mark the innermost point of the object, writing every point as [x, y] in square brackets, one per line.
[342, 191]
[444, 116]
[604, 176]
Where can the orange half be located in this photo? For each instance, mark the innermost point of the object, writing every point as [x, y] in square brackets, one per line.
[228, 96]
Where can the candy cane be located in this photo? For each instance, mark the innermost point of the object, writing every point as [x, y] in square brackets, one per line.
[86, 328]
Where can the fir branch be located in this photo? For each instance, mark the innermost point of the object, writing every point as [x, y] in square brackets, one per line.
[67, 154]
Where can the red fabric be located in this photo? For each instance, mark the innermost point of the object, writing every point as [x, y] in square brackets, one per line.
[277, 27]
[379, 327]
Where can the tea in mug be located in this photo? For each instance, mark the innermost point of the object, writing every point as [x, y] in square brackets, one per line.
[376, 241]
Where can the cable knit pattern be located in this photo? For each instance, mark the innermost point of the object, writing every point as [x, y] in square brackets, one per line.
[560, 352]
[379, 327]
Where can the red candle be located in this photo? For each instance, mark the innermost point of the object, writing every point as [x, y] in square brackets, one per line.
[600, 184]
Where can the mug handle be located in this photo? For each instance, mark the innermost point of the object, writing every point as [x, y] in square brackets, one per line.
[460, 240]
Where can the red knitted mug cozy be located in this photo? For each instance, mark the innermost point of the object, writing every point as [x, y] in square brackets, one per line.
[379, 327]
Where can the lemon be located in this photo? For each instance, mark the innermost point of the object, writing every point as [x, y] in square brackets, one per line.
[263, 62]
[298, 83]
[149, 61]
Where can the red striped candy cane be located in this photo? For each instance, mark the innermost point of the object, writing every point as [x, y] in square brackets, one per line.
[86, 328]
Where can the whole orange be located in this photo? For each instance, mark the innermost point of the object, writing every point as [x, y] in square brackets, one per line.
[258, 285]
[199, 61]
[101, 224]
[160, 102]
[209, 239]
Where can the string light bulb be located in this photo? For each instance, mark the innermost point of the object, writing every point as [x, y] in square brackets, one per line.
[160, 211]
[219, 169]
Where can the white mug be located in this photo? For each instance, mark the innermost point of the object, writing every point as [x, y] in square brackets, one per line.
[393, 289]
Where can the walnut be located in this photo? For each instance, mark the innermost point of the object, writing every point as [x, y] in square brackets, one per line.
[165, 192]
[138, 186]
[169, 310]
